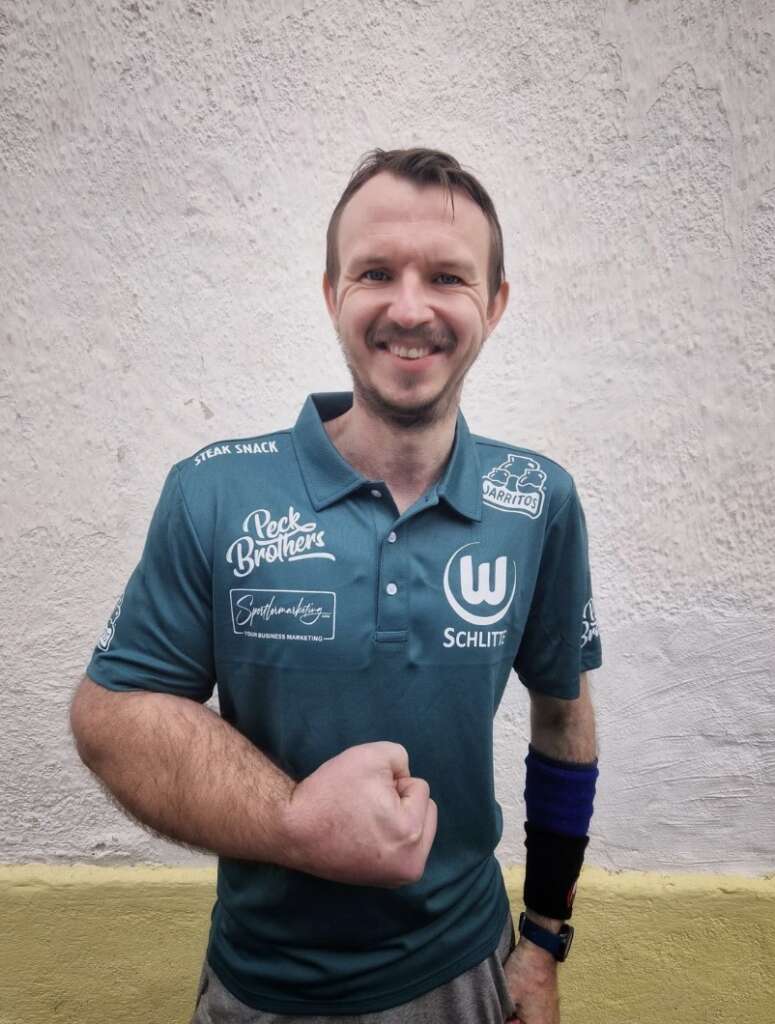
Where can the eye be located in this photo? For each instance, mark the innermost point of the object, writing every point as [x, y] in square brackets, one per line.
[448, 279]
[367, 274]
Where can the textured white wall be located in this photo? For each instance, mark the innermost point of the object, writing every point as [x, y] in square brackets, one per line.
[167, 169]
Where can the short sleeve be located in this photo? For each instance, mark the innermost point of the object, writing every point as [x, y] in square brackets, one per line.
[561, 638]
[159, 636]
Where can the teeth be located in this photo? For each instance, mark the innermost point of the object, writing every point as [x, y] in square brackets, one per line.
[409, 353]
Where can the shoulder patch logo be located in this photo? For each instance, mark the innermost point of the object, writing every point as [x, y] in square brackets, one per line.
[516, 485]
[105, 638]
[237, 448]
[590, 627]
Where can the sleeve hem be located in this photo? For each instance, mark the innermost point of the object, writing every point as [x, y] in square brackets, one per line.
[590, 666]
[145, 685]
[551, 688]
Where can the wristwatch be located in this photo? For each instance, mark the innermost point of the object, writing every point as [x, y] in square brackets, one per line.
[556, 944]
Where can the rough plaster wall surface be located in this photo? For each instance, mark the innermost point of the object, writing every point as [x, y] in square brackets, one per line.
[166, 174]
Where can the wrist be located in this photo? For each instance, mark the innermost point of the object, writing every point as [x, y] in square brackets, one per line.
[552, 942]
[537, 954]
[537, 960]
[290, 845]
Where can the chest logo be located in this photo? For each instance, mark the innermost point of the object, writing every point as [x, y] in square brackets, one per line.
[490, 584]
[266, 539]
[284, 614]
[516, 485]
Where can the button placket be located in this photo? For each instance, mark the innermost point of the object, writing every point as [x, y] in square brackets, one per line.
[393, 605]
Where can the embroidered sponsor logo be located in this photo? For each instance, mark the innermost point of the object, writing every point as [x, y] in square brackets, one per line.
[266, 540]
[237, 448]
[106, 636]
[469, 586]
[284, 614]
[516, 485]
[589, 626]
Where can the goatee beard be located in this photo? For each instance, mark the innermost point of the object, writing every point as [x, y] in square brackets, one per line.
[415, 417]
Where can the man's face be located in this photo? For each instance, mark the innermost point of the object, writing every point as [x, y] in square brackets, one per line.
[411, 306]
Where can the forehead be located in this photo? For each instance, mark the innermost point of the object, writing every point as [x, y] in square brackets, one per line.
[397, 212]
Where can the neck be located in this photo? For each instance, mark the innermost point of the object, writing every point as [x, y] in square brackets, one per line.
[408, 459]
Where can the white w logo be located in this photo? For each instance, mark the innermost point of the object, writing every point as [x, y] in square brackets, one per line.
[497, 593]
[493, 595]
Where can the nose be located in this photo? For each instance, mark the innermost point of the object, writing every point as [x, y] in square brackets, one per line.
[409, 305]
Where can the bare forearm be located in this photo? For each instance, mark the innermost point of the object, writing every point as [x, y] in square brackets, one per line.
[564, 729]
[180, 769]
[360, 818]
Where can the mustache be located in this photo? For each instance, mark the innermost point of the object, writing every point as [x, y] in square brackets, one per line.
[420, 337]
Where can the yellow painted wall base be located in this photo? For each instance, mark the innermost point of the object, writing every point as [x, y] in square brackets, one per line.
[90, 945]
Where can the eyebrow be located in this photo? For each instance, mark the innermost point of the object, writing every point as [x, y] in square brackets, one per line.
[377, 259]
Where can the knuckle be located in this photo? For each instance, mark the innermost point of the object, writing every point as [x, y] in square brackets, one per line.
[414, 872]
[414, 835]
[423, 788]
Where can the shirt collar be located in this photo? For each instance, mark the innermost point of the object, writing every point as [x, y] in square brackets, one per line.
[461, 484]
[328, 477]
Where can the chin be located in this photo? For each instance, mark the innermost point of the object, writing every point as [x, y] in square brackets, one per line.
[413, 411]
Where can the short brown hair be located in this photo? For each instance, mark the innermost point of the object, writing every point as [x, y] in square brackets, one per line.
[424, 167]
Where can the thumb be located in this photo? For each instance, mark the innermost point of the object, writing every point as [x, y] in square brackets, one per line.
[415, 800]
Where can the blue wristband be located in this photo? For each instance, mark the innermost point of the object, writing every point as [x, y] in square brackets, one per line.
[559, 795]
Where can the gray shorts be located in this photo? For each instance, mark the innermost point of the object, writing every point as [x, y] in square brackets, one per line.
[480, 994]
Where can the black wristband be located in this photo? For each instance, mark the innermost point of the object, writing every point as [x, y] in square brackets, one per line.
[551, 871]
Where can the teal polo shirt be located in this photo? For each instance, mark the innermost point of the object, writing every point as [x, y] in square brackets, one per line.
[277, 571]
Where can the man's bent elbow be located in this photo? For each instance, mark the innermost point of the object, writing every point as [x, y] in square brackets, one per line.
[91, 711]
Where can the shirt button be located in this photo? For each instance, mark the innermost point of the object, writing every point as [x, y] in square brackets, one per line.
[391, 589]
[375, 493]
[392, 537]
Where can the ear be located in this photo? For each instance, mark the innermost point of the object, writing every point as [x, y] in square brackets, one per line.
[497, 307]
[329, 294]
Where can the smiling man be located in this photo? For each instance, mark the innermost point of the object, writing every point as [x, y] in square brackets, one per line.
[360, 587]
[408, 290]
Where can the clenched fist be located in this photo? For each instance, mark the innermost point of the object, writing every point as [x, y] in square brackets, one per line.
[362, 819]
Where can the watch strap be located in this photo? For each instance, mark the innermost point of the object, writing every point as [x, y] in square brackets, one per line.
[558, 944]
